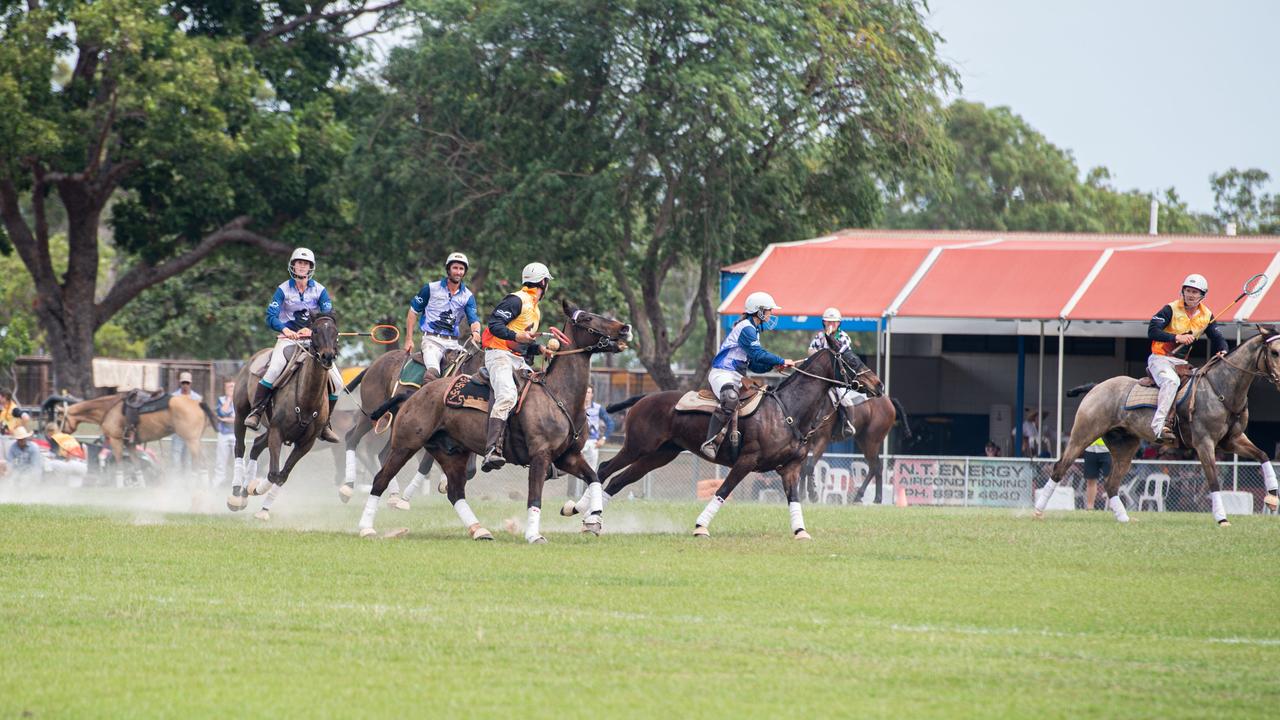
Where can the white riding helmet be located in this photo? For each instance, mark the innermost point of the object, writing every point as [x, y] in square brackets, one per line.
[758, 301]
[831, 315]
[302, 254]
[1197, 281]
[456, 258]
[535, 272]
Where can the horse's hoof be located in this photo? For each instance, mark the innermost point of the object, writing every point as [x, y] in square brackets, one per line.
[345, 491]
[595, 528]
[481, 534]
[1224, 523]
[537, 541]
[368, 532]
[701, 532]
[395, 502]
[1038, 514]
[802, 535]
[395, 533]
[236, 503]
[1271, 501]
[442, 487]
[569, 509]
[263, 515]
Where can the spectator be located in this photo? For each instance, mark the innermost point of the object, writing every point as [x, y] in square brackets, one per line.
[11, 415]
[991, 450]
[68, 458]
[226, 414]
[179, 458]
[25, 464]
[1097, 464]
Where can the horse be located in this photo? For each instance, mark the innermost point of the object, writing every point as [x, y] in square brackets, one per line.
[548, 426]
[872, 421]
[1213, 412]
[183, 417]
[777, 436]
[298, 411]
[375, 385]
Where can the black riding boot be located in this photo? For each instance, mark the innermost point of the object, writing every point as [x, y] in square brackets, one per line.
[261, 394]
[493, 442]
[712, 444]
[327, 434]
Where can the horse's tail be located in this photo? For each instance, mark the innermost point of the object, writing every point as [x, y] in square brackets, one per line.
[213, 421]
[391, 405]
[355, 381]
[620, 406]
[902, 418]
[1081, 389]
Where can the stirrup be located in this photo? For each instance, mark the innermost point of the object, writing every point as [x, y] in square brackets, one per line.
[253, 419]
[710, 448]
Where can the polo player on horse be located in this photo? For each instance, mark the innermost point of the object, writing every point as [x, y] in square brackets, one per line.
[438, 310]
[1178, 323]
[509, 341]
[845, 398]
[289, 314]
[740, 352]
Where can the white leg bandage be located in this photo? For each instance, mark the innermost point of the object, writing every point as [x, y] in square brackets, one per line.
[709, 512]
[1269, 476]
[418, 481]
[1046, 492]
[596, 492]
[465, 514]
[1117, 507]
[797, 517]
[350, 476]
[370, 510]
[237, 477]
[270, 499]
[393, 487]
[533, 529]
[1219, 512]
[250, 470]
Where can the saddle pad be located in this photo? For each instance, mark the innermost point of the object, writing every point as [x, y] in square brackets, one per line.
[467, 393]
[154, 405]
[413, 372]
[696, 401]
[1140, 396]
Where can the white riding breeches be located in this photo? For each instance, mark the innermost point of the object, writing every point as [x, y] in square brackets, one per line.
[720, 378]
[502, 366]
[1162, 370]
[847, 397]
[277, 363]
[434, 348]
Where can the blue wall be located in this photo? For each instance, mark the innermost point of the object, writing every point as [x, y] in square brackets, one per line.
[812, 323]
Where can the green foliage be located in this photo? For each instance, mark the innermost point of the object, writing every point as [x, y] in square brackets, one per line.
[1238, 197]
[113, 341]
[1007, 176]
[15, 340]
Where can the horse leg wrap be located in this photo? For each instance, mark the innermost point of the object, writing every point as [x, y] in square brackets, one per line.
[595, 491]
[1117, 507]
[709, 512]
[797, 517]
[533, 528]
[418, 481]
[465, 514]
[1269, 476]
[237, 478]
[1045, 493]
[1219, 510]
[370, 510]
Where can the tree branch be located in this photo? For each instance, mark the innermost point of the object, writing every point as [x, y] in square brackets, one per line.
[338, 17]
[141, 277]
[34, 253]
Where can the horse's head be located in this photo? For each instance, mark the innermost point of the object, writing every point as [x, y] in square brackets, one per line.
[1270, 354]
[68, 420]
[595, 332]
[324, 338]
[851, 372]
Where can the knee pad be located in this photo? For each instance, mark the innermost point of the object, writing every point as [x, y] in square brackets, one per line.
[729, 399]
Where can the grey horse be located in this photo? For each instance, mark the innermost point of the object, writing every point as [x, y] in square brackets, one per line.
[1218, 421]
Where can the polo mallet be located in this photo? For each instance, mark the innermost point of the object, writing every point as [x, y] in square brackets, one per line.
[1252, 286]
[381, 334]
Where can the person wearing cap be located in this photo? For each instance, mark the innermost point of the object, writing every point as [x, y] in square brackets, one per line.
[289, 314]
[509, 340]
[739, 353]
[438, 310]
[1176, 324]
[179, 457]
[842, 397]
[25, 464]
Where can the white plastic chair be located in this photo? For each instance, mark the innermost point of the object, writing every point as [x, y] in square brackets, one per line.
[836, 484]
[1154, 489]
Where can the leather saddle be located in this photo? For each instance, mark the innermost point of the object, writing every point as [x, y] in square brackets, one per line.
[703, 401]
[1184, 373]
[474, 391]
[138, 403]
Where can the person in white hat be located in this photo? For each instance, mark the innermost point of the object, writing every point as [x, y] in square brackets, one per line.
[510, 343]
[1176, 324]
[439, 310]
[741, 352]
[25, 463]
[179, 457]
[844, 398]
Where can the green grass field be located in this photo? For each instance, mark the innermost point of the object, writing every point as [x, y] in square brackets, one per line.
[887, 613]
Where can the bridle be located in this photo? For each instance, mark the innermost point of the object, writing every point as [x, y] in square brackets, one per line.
[309, 347]
[603, 343]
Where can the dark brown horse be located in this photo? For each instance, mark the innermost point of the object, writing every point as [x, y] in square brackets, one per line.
[299, 410]
[872, 421]
[548, 428]
[375, 386]
[778, 436]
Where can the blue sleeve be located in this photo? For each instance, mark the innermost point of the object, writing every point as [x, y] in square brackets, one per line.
[608, 421]
[273, 311]
[419, 301]
[472, 315]
[326, 304]
[749, 340]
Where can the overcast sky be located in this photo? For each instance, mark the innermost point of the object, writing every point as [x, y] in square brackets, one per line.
[1162, 93]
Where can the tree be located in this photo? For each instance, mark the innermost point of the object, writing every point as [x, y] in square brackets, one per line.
[1006, 176]
[1238, 197]
[204, 125]
[621, 142]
